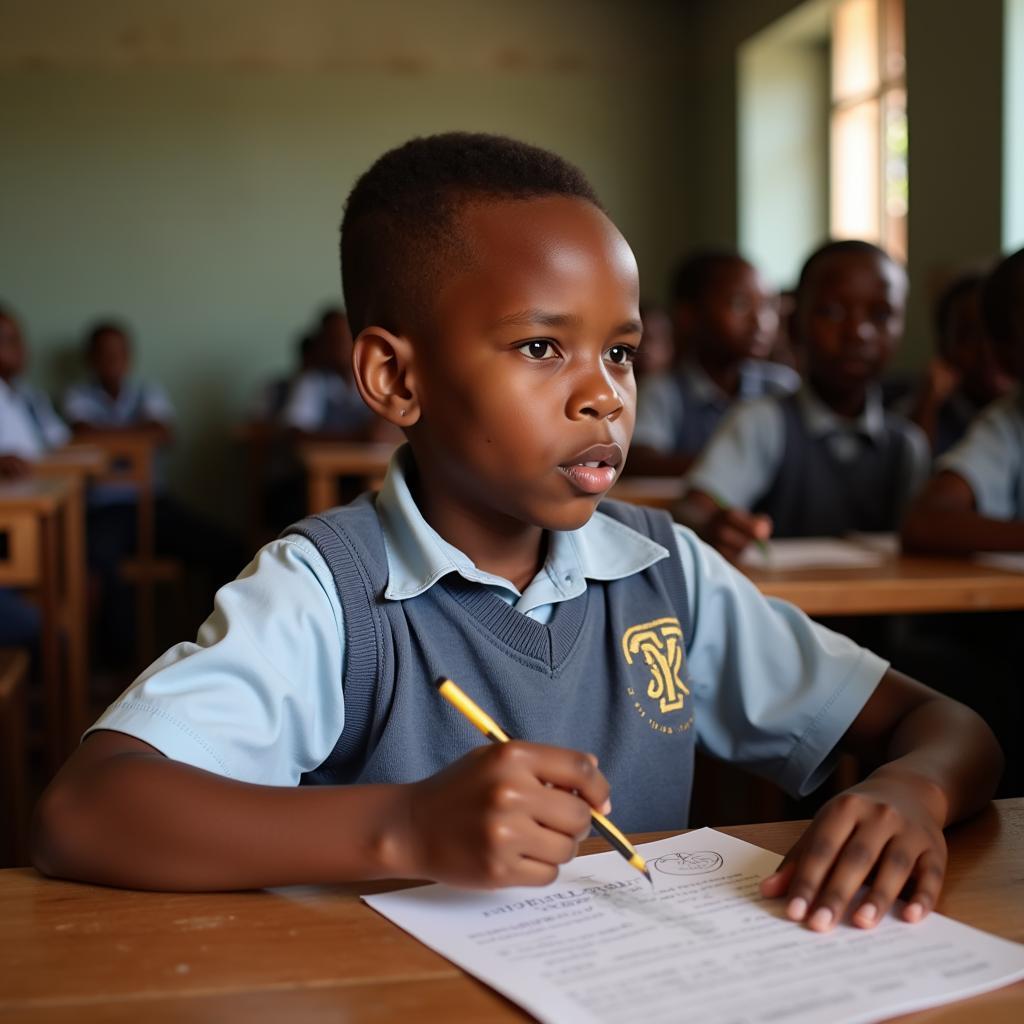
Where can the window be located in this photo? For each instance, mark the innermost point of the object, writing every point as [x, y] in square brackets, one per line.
[868, 124]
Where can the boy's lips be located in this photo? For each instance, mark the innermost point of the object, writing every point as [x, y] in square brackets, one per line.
[594, 470]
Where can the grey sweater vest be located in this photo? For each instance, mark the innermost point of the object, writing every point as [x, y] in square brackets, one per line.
[814, 494]
[607, 675]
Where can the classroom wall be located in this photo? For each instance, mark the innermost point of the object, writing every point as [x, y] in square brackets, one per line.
[184, 164]
[955, 94]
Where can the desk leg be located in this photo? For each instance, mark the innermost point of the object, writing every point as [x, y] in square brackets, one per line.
[50, 646]
[77, 636]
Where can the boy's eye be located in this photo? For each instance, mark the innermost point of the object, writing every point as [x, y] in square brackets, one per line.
[832, 311]
[538, 349]
[622, 355]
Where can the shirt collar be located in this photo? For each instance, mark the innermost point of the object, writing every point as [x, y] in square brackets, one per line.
[418, 556]
[820, 419]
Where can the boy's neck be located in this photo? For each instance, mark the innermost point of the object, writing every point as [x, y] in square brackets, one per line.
[495, 544]
[847, 402]
[112, 387]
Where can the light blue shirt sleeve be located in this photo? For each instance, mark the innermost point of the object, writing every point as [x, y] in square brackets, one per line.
[774, 692]
[991, 459]
[743, 455]
[658, 413]
[258, 696]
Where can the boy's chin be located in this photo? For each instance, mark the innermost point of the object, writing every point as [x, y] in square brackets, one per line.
[572, 515]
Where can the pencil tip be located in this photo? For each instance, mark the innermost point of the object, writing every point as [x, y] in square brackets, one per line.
[647, 874]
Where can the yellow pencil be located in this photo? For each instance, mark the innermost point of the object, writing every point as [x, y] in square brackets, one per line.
[496, 734]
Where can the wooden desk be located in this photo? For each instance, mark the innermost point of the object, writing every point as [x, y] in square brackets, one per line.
[656, 491]
[73, 953]
[46, 555]
[901, 584]
[325, 461]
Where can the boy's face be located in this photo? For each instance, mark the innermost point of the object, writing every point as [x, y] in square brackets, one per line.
[528, 373]
[12, 348]
[736, 314]
[110, 357]
[970, 351]
[849, 320]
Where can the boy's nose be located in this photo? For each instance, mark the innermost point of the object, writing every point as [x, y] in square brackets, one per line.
[595, 397]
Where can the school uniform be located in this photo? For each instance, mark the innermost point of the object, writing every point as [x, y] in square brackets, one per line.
[137, 402]
[952, 421]
[635, 641]
[29, 426]
[325, 401]
[991, 459]
[814, 472]
[677, 412]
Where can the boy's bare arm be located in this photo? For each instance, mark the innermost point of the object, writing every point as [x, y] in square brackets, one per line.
[944, 519]
[939, 763]
[120, 813]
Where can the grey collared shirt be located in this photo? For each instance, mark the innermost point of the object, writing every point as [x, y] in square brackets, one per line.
[743, 458]
[678, 412]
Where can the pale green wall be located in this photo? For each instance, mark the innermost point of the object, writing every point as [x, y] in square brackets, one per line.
[187, 172]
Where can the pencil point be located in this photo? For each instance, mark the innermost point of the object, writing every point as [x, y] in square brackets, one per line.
[647, 875]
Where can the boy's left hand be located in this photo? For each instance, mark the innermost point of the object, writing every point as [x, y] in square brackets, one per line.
[877, 833]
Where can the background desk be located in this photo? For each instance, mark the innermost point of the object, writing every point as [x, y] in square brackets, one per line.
[83, 954]
[326, 461]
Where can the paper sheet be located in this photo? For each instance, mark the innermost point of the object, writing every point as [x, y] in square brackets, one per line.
[599, 945]
[1011, 561]
[811, 553]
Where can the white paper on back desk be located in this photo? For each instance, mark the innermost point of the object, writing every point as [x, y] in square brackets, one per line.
[600, 946]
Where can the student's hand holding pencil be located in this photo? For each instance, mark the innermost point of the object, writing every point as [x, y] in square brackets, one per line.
[725, 527]
[503, 815]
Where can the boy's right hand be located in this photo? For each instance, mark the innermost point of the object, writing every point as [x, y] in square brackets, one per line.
[505, 814]
[730, 530]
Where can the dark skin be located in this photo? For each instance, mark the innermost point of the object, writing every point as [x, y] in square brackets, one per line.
[732, 321]
[528, 365]
[848, 322]
[945, 519]
[110, 359]
[12, 364]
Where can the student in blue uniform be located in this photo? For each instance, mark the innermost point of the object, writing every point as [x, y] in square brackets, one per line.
[829, 459]
[964, 376]
[496, 312]
[724, 318]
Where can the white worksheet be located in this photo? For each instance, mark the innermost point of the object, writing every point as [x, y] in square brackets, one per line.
[811, 553]
[600, 945]
[1011, 561]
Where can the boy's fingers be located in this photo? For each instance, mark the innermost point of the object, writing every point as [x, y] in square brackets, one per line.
[852, 865]
[566, 769]
[776, 884]
[562, 812]
[531, 872]
[929, 874]
[815, 861]
[547, 847]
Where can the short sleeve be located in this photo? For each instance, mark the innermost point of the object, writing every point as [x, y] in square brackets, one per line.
[990, 459]
[304, 409]
[258, 696]
[774, 692]
[658, 413]
[156, 405]
[743, 456]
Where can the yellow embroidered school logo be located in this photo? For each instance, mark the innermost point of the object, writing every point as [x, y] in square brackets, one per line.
[660, 644]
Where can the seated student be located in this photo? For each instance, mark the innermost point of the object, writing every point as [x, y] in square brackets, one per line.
[657, 350]
[496, 311]
[724, 317]
[324, 401]
[273, 396]
[113, 398]
[975, 502]
[29, 427]
[828, 460]
[964, 376]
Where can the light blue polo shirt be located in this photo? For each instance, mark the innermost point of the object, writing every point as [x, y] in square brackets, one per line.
[743, 459]
[319, 400]
[258, 696]
[137, 402]
[991, 459]
[29, 427]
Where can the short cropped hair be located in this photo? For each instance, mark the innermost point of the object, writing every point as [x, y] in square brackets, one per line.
[845, 246]
[400, 231]
[101, 327]
[1001, 294]
[694, 273]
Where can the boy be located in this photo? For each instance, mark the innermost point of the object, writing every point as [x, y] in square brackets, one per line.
[724, 317]
[975, 502]
[965, 376]
[827, 460]
[495, 310]
[113, 399]
[28, 425]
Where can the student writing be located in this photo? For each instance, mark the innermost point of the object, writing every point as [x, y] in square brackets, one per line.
[495, 307]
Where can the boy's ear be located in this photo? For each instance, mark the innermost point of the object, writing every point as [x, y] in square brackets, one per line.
[384, 372]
